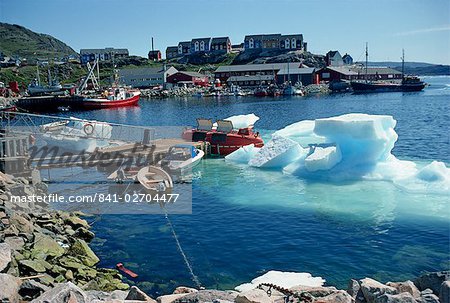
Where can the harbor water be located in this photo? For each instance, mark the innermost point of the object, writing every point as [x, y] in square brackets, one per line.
[246, 221]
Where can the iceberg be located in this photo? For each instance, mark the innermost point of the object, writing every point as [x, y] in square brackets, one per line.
[243, 154]
[283, 279]
[346, 147]
[241, 121]
[277, 153]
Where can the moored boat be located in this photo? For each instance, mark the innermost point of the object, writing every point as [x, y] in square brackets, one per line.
[181, 159]
[155, 180]
[224, 138]
[114, 97]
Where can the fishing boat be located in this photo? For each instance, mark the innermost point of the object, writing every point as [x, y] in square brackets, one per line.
[408, 83]
[181, 159]
[223, 138]
[155, 180]
[36, 88]
[113, 97]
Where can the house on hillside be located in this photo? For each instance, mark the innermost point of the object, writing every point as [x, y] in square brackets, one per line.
[103, 54]
[146, 77]
[171, 52]
[274, 41]
[291, 42]
[184, 48]
[221, 45]
[154, 55]
[200, 45]
[334, 58]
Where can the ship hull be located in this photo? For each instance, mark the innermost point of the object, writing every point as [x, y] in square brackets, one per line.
[99, 103]
[362, 87]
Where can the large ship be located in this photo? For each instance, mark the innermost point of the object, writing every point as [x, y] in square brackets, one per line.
[408, 83]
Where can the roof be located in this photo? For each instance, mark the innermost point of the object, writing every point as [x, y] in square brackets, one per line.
[172, 49]
[342, 70]
[143, 71]
[255, 67]
[296, 71]
[154, 52]
[251, 78]
[220, 40]
[332, 53]
[192, 74]
[88, 51]
[185, 43]
[292, 36]
[375, 70]
[346, 56]
[200, 39]
[271, 36]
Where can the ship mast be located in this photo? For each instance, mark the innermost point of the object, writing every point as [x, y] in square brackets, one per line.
[367, 58]
[403, 63]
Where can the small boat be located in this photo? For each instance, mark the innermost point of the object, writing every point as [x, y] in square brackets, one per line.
[155, 180]
[36, 88]
[77, 135]
[114, 97]
[181, 159]
[122, 175]
[126, 271]
[260, 92]
[224, 138]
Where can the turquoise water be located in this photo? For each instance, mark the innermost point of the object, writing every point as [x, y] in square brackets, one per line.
[246, 221]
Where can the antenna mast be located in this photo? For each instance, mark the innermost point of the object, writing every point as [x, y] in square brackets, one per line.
[367, 58]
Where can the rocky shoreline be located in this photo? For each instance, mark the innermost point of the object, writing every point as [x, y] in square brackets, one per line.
[45, 257]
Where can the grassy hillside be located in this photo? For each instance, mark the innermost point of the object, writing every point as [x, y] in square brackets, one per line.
[19, 41]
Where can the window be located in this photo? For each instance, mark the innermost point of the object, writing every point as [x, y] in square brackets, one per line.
[325, 75]
[294, 43]
[251, 43]
[202, 46]
[287, 43]
[196, 46]
[180, 49]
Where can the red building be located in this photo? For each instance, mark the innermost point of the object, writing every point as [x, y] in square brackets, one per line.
[194, 78]
[154, 55]
[339, 73]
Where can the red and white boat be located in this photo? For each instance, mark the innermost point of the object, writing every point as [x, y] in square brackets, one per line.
[113, 97]
[223, 137]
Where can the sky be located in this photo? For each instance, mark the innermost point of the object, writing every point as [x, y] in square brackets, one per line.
[421, 27]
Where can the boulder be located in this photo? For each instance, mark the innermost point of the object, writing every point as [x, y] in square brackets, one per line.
[29, 267]
[429, 298]
[314, 291]
[407, 286]
[83, 252]
[184, 290]
[208, 296]
[432, 280]
[9, 288]
[46, 244]
[444, 293]
[337, 297]
[253, 296]
[31, 289]
[85, 234]
[399, 298]
[70, 262]
[22, 224]
[354, 290]
[76, 222]
[62, 293]
[5, 256]
[171, 298]
[16, 243]
[373, 289]
[136, 294]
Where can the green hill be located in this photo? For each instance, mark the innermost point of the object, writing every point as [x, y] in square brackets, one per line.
[19, 41]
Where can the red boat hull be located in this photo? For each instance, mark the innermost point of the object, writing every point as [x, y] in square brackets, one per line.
[105, 103]
[224, 143]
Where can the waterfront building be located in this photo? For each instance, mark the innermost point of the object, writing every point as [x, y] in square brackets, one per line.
[188, 78]
[103, 54]
[146, 77]
[221, 45]
[334, 58]
[294, 75]
[349, 73]
[348, 60]
[200, 45]
[171, 52]
[154, 55]
[274, 41]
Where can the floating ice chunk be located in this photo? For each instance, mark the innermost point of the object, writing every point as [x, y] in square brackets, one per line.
[243, 154]
[241, 121]
[390, 169]
[431, 179]
[301, 132]
[277, 153]
[283, 279]
[323, 158]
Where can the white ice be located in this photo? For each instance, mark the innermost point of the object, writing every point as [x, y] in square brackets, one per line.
[243, 154]
[346, 147]
[241, 121]
[283, 279]
[277, 153]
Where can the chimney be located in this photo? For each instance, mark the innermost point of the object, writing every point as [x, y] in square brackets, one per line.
[152, 45]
